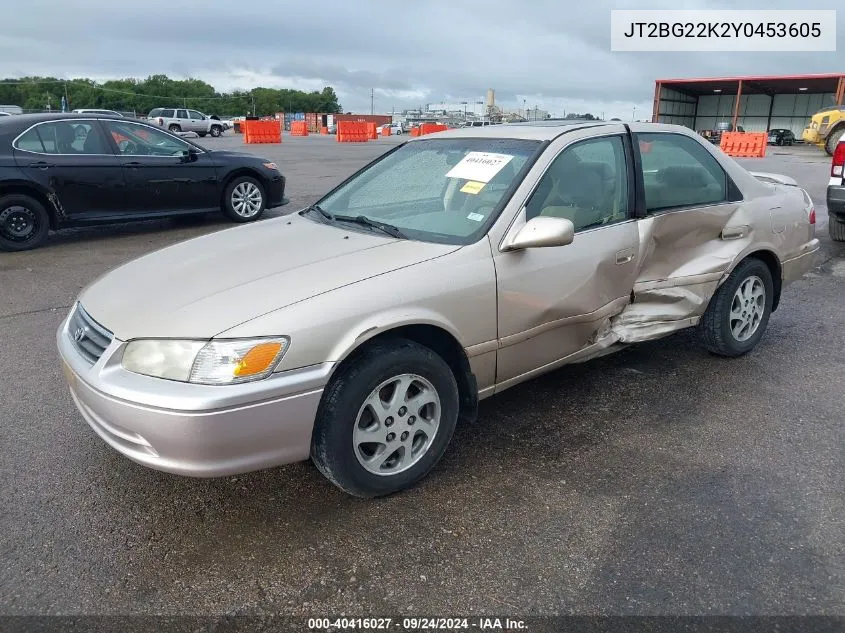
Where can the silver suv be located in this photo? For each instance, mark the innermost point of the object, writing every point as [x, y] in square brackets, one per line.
[185, 120]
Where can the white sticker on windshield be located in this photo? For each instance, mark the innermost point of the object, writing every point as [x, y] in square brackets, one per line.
[479, 166]
[475, 216]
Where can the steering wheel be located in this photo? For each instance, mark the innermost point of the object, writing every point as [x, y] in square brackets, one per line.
[127, 147]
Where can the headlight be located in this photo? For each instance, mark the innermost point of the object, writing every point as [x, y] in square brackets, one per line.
[217, 362]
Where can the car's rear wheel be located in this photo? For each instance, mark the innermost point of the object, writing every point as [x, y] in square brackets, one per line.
[202, 134]
[216, 131]
[174, 128]
[833, 140]
[385, 419]
[739, 311]
[24, 223]
[836, 228]
[244, 199]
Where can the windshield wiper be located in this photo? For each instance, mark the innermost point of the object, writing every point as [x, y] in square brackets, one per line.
[384, 227]
[321, 211]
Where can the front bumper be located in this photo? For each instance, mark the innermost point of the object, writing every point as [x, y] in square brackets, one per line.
[194, 430]
[276, 192]
[836, 201]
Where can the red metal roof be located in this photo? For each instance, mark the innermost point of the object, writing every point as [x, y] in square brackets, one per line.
[753, 78]
[757, 84]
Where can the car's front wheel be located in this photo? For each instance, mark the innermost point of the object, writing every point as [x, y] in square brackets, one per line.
[385, 419]
[244, 199]
[174, 128]
[24, 223]
[216, 131]
[739, 311]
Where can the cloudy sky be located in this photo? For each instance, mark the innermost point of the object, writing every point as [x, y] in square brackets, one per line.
[553, 54]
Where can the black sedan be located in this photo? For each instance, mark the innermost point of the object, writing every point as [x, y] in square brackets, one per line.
[781, 137]
[59, 170]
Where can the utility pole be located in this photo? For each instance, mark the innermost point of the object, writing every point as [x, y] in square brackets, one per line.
[634, 114]
[372, 100]
[251, 94]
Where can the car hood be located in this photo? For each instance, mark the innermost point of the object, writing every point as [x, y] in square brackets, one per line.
[199, 288]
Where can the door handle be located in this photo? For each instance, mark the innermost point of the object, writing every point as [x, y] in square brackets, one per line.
[134, 163]
[623, 257]
[41, 165]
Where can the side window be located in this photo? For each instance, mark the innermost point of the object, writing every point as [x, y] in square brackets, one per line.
[141, 140]
[64, 137]
[586, 183]
[155, 113]
[166, 114]
[679, 172]
[181, 114]
[193, 114]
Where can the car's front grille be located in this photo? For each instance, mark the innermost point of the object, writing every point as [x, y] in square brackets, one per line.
[90, 338]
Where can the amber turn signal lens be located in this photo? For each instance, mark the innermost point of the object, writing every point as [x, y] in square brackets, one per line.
[258, 359]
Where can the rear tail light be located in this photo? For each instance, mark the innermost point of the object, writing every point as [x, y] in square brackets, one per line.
[838, 160]
[813, 215]
[161, 121]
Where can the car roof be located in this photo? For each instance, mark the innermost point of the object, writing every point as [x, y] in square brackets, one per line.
[534, 130]
[31, 119]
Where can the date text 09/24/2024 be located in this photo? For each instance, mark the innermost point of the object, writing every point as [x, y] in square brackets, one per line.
[417, 624]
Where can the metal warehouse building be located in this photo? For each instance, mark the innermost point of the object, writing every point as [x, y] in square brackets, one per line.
[758, 104]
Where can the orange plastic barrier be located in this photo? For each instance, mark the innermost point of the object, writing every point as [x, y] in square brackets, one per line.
[371, 131]
[385, 131]
[299, 128]
[430, 128]
[262, 131]
[352, 132]
[415, 131]
[744, 144]
[324, 130]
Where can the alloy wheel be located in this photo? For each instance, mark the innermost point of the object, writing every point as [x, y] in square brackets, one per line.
[246, 199]
[396, 425]
[747, 308]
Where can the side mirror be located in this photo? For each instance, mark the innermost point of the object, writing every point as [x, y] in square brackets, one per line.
[190, 156]
[542, 232]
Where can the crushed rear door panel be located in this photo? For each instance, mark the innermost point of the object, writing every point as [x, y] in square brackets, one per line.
[682, 258]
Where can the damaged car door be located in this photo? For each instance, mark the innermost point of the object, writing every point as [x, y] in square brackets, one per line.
[684, 250]
[556, 302]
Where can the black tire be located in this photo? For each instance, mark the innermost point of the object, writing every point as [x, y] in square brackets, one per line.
[24, 223]
[216, 131]
[836, 228]
[833, 140]
[228, 206]
[174, 128]
[714, 330]
[332, 442]
[202, 134]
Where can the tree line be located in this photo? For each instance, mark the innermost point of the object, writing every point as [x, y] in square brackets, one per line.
[160, 91]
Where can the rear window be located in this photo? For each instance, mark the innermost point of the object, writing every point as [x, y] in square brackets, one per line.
[167, 114]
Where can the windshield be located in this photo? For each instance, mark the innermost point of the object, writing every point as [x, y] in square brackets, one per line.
[446, 190]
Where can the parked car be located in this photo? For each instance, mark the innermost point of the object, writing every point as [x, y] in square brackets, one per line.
[96, 111]
[395, 128]
[11, 109]
[836, 194]
[781, 137]
[185, 120]
[4, 113]
[59, 170]
[331, 333]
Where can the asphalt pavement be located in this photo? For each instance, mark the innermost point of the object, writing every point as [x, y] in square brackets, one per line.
[660, 480]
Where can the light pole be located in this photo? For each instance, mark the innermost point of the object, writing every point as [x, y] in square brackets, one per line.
[634, 115]
[524, 111]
